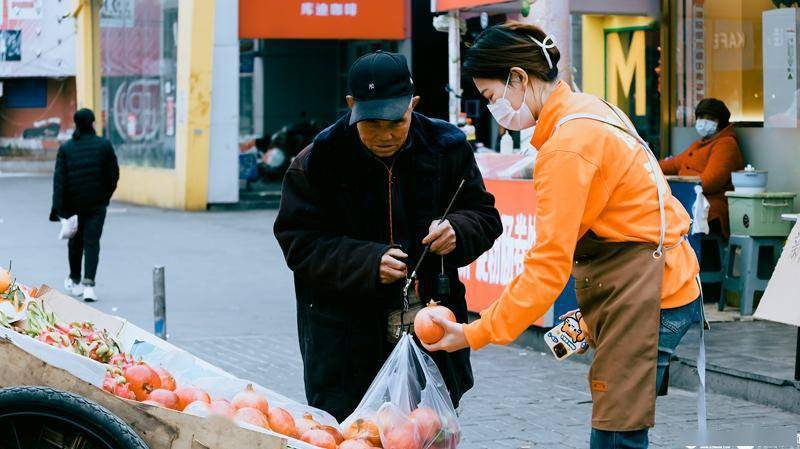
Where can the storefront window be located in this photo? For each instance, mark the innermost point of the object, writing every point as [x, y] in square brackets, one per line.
[139, 54]
[718, 54]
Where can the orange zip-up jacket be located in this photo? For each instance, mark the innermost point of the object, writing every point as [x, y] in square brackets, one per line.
[588, 176]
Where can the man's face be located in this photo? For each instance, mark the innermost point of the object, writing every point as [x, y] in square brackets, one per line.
[384, 137]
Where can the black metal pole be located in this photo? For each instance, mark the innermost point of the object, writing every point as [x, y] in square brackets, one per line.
[797, 357]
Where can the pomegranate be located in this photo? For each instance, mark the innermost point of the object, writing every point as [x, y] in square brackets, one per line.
[250, 399]
[306, 423]
[187, 395]
[167, 381]
[5, 280]
[319, 438]
[142, 380]
[165, 397]
[424, 327]
[356, 444]
[363, 429]
[222, 407]
[427, 422]
[282, 422]
[401, 437]
[252, 416]
[197, 408]
[337, 436]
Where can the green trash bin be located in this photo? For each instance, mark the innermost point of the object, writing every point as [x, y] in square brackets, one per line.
[759, 214]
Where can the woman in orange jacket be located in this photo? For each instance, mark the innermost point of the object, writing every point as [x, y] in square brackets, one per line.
[713, 158]
[606, 216]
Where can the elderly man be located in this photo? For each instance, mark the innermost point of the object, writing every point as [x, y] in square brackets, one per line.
[359, 205]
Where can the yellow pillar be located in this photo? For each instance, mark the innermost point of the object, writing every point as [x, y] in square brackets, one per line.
[87, 66]
[192, 136]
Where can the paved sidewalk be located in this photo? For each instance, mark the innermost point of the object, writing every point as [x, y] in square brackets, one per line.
[230, 301]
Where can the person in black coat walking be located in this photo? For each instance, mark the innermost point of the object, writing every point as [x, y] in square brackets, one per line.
[359, 204]
[85, 177]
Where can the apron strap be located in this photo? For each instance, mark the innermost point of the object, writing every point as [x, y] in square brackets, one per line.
[653, 162]
[701, 372]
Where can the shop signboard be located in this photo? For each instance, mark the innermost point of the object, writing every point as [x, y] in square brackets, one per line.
[446, 5]
[324, 19]
[36, 41]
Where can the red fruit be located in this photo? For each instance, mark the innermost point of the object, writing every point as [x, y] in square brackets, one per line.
[356, 444]
[165, 397]
[319, 438]
[142, 380]
[222, 407]
[198, 408]
[337, 436]
[363, 429]
[306, 423]
[252, 416]
[401, 437]
[250, 399]
[424, 327]
[5, 280]
[282, 422]
[427, 422]
[187, 395]
[167, 381]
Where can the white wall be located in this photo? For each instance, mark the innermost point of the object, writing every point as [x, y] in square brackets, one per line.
[771, 149]
[223, 163]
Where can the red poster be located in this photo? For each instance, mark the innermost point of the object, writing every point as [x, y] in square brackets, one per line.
[486, 278]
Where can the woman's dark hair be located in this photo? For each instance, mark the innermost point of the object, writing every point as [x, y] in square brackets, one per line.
[501, 47]
[84, 123]
[714, 108]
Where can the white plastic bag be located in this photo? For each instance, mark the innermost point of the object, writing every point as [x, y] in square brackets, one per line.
[700, 212]
[408, 404]
[69, 227]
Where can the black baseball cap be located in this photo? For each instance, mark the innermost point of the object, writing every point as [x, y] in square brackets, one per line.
[381, 85]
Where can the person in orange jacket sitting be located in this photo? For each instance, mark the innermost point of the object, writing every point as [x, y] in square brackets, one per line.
[712, 157]
[605, 215]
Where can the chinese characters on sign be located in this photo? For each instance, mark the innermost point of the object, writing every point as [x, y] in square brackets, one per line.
[320, 9]
[504, 261]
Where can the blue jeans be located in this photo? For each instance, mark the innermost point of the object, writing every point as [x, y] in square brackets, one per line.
[674, 324]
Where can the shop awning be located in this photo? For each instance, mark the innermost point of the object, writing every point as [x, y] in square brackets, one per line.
[324, 19]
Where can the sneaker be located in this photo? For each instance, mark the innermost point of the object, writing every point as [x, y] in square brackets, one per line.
[89, 294]
[73, 288]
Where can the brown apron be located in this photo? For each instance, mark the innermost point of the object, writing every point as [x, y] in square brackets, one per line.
[618, 286]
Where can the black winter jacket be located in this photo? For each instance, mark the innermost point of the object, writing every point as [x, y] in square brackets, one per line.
[334, 227]
[85, 177]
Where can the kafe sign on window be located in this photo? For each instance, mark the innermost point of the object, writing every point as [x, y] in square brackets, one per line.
[324, 19]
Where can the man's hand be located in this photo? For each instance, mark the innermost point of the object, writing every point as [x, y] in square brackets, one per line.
[442, 238]
[453, 339]
[392, 268]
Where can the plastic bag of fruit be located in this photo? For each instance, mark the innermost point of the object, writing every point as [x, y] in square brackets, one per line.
[406, 407]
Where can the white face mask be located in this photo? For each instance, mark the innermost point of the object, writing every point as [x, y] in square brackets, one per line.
[705, 127]
[510, 118]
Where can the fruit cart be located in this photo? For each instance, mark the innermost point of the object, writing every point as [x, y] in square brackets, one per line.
[56, 398]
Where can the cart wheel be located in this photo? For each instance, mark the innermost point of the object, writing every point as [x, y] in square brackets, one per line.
[45, 418]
